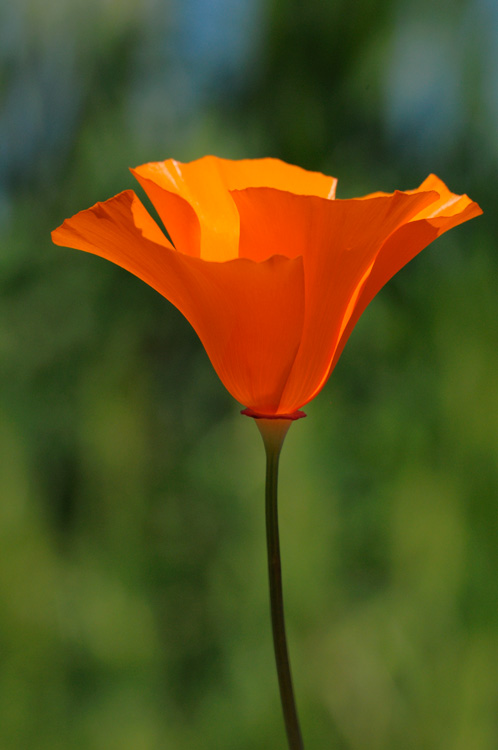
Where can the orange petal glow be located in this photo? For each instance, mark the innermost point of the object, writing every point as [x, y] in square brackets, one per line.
[249, 316]
[339, 241]
[446, 212]
[206, 208]
[271, 271]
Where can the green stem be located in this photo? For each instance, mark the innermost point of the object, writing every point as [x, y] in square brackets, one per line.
[273, 432]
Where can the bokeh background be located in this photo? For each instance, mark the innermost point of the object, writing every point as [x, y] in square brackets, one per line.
[133, 595]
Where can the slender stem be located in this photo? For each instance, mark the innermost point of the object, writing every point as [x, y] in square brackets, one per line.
[273, 432]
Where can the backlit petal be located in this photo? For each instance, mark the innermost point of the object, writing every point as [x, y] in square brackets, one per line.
[207, 204]
[274, 173]
[339, 241]
[202, 220]
[334, 284]
[249, 316]
[448, 204]
[443, 214]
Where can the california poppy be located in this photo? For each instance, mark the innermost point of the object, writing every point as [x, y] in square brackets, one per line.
[272, 272]
[269, 268]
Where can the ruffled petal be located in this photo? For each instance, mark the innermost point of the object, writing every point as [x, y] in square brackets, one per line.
[249, 316]
[119, 229]
[194, 205]
[444, 213]
[335, 282]
[447, 204]
[274, 173]
[460, 207]
[339, 241]
[194, 202]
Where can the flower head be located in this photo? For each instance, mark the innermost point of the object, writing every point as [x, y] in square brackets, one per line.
[268, 267]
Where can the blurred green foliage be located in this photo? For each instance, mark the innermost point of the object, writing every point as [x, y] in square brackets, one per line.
[133, 595]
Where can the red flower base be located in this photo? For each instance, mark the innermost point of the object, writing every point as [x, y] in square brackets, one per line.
[256, 415]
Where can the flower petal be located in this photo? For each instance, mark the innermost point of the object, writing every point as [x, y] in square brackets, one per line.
[448, 211]
[339, 241]
[194, 205]
[194, 202]
[448, 205]
[249, 316]
[116, 229]
[274, 222]
[277, 174]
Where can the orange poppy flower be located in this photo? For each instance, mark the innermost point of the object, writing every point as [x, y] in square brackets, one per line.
[268, 267]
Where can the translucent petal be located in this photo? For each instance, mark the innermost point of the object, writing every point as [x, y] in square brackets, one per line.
[339, 241]
[249, 316]
[207, 224]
